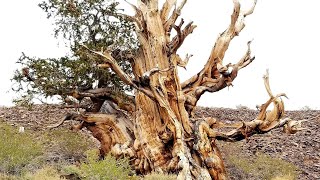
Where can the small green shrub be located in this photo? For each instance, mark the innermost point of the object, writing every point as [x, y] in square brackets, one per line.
[16, 149]
[265, 167]
[109, 168]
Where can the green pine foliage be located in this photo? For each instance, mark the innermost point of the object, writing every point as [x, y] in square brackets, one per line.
[93, 23]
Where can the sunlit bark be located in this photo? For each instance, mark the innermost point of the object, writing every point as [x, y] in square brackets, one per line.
[159, 132]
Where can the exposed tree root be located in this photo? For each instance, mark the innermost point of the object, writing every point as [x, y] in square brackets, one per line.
[196, 157]
[159, 133]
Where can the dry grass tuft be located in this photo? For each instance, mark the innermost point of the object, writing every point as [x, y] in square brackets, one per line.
[159, 176]
[260, 165]
[17, 149]
[46, 173]
[107, 169]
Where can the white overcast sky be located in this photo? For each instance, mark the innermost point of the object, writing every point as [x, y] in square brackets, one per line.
[286, 41]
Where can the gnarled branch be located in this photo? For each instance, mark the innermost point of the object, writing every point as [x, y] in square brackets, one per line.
[177, 41]
[168, 24]
[122, 100]
[213, 84]
[264, 122]
[166, 8]
[117, 69]
[214, 67]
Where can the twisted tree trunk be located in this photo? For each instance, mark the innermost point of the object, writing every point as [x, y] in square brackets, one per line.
[158, 130]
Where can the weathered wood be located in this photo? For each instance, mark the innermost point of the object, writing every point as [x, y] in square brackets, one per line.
[163, 136]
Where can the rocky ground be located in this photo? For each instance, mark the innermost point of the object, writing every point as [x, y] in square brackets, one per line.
[301, 149]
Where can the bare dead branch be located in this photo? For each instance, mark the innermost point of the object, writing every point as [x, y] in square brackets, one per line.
[153, 71]
[139, 17]
[246, 59]
[117, 69]
[180, 37]
[227, 75]
[294, 126]
[166, 8]
[114, 65]
[250, 11]
[174, 16]
[57, 124]
[183, 63]
[265, 121]
[123, 100]
[68, 117]
[213, 84]
[214, 66]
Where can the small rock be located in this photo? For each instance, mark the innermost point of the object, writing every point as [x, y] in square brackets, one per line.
[21, 129]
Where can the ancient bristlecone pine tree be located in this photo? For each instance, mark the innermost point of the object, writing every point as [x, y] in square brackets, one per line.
[156, 128]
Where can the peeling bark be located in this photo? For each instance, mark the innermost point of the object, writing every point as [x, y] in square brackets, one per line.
[159, 133]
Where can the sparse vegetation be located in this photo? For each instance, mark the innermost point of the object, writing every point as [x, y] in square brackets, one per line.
[259, 165]
[27, 152]
[263, 166]
[109, 168]
[46, 166]
[159, 176]
[7, 177]
[67, 144]
[17, 149]
[46, 173]
[287, 177]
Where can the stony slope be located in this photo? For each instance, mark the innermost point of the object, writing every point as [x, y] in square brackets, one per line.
[301, 149]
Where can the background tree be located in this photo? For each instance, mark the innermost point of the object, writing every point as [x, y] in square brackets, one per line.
[156, 128]
[90, 22]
